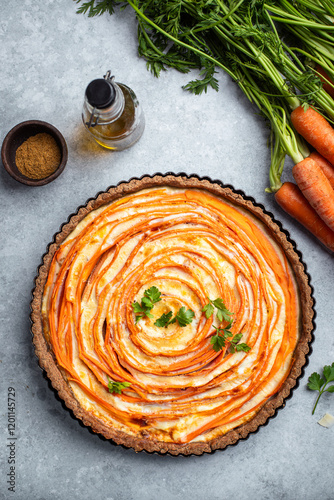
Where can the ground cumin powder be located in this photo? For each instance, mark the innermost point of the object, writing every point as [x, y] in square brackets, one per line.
[38, 157]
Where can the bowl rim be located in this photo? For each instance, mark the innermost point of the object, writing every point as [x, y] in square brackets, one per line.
[20, 177]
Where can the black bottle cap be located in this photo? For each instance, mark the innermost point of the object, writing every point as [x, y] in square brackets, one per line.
[100, 93]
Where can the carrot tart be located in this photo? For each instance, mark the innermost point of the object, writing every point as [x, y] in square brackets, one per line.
[172, 314]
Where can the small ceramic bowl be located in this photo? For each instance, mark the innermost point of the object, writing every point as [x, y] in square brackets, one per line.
[20, 133]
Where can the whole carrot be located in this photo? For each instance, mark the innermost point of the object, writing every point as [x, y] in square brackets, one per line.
[326, 167]
[292, 200]
[315, 129]
[316, 188]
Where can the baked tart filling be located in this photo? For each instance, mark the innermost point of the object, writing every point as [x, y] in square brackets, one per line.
[170, 318]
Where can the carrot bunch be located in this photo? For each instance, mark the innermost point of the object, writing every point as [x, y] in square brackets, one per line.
[278, 52]
[311, 199]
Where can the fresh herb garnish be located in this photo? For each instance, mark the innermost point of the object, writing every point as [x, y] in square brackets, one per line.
[317, 383]
[224, 335]
[218, 341]
[151, 297]
[165, 320]
[208, 309]
[116, 387]
[141, 310]
[183, 318]
[222, 312]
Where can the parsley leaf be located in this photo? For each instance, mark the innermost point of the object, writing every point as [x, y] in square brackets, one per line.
[224, 335]
[237, 338]
[147, 302]
[183, 318]
[116, 387]
[164, 320]
[208, 309]
[141, 311]
[151, 296]
[222, 312]
[218, 303]
[218, 342]
[242, 347]
[317, 383]
[329, 373]
[137, 308]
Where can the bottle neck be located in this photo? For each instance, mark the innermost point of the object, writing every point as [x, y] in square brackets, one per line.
[107, 115]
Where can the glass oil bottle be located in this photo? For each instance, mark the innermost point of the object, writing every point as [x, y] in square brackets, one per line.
[112, 114]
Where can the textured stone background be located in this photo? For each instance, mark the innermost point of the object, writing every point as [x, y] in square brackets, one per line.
[48, 55]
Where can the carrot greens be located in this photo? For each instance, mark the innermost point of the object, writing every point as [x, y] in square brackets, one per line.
[274, 50]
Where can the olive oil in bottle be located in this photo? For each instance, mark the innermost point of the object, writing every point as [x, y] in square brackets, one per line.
[112, 114]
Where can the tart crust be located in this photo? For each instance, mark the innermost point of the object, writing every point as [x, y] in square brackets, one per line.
[48, 362]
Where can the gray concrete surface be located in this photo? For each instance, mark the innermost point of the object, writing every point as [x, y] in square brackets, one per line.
[48, 55]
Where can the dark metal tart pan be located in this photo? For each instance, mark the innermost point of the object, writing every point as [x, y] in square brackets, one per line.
[270, 409]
